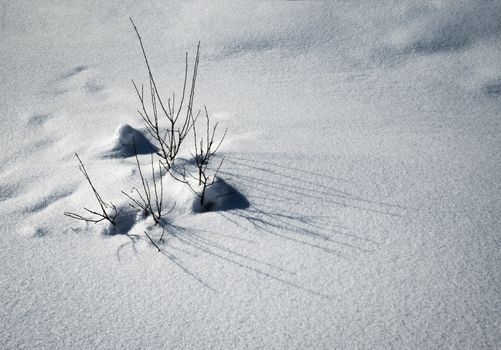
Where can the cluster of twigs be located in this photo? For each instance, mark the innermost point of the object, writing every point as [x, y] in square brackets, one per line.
[150, 202]
[108, 212]
[179, 124]
[204, 151]
[178, 121]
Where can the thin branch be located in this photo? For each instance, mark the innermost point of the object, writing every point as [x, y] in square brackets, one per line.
[152, 241]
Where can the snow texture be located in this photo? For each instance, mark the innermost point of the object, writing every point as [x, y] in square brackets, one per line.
[357, 206]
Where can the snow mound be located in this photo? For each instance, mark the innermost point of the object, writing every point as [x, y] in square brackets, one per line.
[122, 145]
[220, 196]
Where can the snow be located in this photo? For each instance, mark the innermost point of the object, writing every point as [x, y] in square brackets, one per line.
[363, 147]
[128, 141]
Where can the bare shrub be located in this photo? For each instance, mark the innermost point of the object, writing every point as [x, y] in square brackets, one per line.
[179, 124]
[108, 212]
[168, 124]
[205, 149]
[149, 201]
[178, 119]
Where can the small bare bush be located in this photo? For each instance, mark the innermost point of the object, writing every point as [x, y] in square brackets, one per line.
[109, 211]
[169, 123]
[205, 149]
[179, 123]
[149, 201]
[178, 118]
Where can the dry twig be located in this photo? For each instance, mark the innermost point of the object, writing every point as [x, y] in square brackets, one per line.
[108, 212]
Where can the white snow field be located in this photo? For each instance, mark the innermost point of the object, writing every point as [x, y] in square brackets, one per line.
[364, 143]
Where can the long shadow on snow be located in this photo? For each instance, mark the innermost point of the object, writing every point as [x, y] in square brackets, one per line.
[194, 239]
[278, 182]
[195, 242]
[296, 186]
[134, 239]
[315, 231]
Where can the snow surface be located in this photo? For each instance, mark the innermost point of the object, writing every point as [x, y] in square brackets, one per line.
[366, 138]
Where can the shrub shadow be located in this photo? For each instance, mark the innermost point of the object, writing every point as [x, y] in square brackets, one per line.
[256, 215]
[283, 218]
